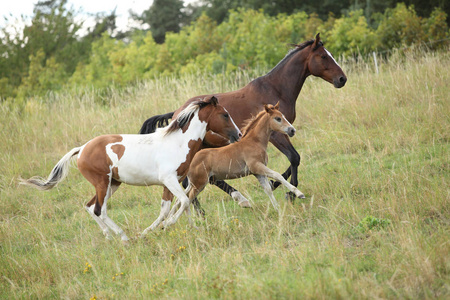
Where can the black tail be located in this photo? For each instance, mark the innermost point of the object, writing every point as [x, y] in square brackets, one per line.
[151, 124]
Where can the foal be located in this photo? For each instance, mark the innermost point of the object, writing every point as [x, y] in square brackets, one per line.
[247, 157]
[160, 158]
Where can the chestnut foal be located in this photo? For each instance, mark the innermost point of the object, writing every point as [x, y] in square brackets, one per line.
[246, 157]
[160, 158]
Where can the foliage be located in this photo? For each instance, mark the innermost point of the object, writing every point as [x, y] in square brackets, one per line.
[163, 16]
[246, 39]
[370, 222]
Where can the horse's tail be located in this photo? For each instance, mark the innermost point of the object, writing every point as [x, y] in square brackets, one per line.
[58, 173]
[151, 124]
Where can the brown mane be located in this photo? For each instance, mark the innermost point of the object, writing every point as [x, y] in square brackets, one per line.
[249, 124]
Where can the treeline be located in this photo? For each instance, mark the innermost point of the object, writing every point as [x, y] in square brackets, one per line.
[49, 55]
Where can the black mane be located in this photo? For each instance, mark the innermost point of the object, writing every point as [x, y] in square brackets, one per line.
[293, 51]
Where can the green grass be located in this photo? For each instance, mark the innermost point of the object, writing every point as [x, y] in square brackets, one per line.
[375, 223]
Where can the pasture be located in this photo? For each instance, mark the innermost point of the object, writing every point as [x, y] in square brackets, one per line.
[375, 222]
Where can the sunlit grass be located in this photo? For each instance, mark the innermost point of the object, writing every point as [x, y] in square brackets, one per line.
[378, 148]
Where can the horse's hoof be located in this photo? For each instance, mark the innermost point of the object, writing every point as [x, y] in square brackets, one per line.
[290, 196]
[245, 204]
[237, 196]
[300, 195]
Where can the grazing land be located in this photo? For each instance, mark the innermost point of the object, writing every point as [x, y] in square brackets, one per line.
[375, 170]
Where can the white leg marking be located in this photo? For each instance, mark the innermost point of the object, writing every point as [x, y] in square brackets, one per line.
[99, 221]
[165, 208]
[104, 216]
[268, 190]
[241, 200]
[175, 188]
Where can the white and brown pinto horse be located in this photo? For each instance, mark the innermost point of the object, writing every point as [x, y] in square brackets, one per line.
[160, 158]
[246, 157]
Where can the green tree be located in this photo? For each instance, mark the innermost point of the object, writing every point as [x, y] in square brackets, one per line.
[53, 32]
[163, 16]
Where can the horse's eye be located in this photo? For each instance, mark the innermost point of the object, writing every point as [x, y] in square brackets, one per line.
[278, 119]
[324, 56]
[225, 116]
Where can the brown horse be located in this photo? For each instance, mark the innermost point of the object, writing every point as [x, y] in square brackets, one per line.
[246, 157]
[160, 158]
[283, 83]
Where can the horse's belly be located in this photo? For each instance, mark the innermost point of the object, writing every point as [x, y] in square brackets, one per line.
[232, 172]
[137, 179]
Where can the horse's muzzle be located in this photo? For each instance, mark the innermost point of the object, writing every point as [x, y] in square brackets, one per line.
[290, 131]
[235, 137]
[340, 81]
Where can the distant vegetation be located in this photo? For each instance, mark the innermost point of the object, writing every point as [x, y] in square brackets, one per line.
[49, 55]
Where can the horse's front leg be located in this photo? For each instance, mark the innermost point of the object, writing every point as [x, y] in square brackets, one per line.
[166, 201]
[283, 143]
[261, 169]
[198, 208]
[235, 194]
[268, 190]
[173, 185]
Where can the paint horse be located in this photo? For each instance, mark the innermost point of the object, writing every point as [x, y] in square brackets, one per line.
[246, 157]
[160, 158]
[283, 83]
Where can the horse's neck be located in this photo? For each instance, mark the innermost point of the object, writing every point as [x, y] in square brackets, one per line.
[194, 135]
[260, 133]
[287, 78]
[196, 130]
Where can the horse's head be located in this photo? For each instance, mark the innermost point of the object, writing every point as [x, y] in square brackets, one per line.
[218, 119]
[277, 120]
[322, 64]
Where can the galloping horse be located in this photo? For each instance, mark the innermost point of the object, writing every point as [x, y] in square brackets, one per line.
[160, 158]
[283, 83]
[247, 157]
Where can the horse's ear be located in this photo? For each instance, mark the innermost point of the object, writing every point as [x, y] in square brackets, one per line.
[214, 101]
[317, 42]
[277, 106]
[207, 101]
[267, 107]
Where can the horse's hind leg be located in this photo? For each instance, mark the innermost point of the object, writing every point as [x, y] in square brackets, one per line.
[90, 209]
[104, 191]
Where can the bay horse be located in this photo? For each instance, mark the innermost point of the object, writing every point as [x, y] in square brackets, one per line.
[160, 158]
[244, 158]
[283, 83]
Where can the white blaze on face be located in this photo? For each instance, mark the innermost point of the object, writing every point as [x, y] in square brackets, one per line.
[329, 54]
[232, 121]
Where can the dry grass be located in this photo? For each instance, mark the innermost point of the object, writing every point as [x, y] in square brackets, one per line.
[378, 147]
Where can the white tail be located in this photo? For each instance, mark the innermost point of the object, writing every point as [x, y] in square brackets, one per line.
[58, 173]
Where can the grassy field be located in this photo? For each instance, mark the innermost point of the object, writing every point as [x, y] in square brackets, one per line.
[375, 223]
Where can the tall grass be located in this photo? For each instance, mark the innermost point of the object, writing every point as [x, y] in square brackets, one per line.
[377, 148]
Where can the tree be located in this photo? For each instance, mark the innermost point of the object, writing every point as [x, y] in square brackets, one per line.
[163, 16]
[52, 34]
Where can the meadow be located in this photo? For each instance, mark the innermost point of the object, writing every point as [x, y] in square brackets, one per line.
[375, 222]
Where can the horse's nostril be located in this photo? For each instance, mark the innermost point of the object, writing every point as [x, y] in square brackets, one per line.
[342, 79]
